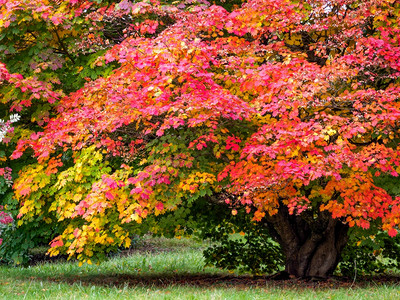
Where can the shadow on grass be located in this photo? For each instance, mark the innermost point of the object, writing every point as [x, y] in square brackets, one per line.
[225, 281]
[163, 280]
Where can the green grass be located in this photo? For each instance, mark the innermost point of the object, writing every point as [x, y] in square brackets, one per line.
[177, 272]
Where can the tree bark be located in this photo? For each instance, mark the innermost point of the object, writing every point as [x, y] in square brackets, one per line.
[312, 242]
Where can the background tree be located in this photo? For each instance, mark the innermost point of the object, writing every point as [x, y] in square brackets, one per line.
[286, 110]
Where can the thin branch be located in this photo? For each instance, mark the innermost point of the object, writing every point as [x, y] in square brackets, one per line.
[60, 42]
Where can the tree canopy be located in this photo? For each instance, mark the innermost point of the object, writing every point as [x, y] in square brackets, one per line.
[286, 109]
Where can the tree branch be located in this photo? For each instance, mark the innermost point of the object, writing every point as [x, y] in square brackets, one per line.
[61, 43]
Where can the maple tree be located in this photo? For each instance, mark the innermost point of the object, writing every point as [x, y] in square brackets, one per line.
[288, 110]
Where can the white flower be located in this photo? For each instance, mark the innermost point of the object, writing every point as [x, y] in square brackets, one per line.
[5, 125]
[15, 118]
[2, 134]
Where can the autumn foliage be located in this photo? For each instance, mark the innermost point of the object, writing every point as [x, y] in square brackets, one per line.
[288, 109]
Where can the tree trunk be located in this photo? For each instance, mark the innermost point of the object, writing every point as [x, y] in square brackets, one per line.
[312, 243]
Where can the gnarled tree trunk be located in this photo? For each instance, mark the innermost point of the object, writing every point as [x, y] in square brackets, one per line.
[312, 242]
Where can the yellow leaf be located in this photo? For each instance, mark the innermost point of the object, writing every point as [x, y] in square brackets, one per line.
[136, 218]
[127, 242]
[77, 197]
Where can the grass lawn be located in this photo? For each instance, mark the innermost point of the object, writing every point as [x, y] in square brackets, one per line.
[170, 269]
